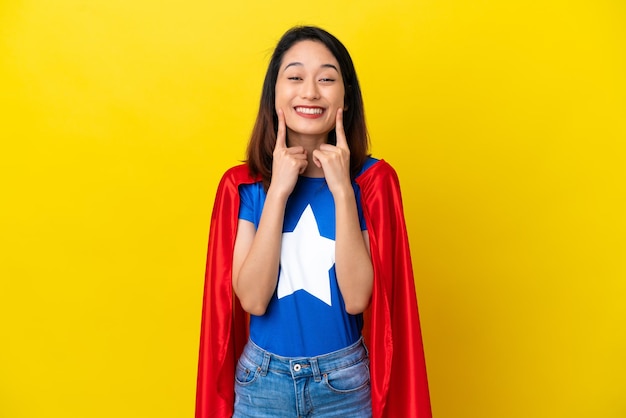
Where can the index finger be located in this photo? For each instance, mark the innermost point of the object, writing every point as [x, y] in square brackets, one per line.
[342, 142]
[281, 141]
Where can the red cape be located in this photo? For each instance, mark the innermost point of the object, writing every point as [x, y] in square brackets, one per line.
[392, 329]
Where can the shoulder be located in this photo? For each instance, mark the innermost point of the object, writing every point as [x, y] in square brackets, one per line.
[232, 179]
[237, 175]
[239, 172]
[377, 170]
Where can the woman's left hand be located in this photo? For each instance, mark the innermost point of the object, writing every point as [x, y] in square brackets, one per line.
[335, 159]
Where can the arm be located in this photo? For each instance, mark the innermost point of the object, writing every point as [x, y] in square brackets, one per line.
[256, 255]
[353, 264]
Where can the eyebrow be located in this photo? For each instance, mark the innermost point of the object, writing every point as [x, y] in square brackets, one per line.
[299, 64]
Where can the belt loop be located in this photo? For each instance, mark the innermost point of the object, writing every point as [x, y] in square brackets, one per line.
[367, 352]
[316, 370]
[266, 363]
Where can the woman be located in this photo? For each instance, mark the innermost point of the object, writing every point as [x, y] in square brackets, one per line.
[310, 237]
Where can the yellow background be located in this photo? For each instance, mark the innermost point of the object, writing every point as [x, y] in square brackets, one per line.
[504, 119]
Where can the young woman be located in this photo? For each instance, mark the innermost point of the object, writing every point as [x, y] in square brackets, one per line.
[308, 239]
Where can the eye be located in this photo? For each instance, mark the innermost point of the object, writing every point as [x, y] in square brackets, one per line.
[294, 78]
[327, 80]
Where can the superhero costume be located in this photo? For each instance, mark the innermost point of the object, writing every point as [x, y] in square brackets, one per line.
[399, 383]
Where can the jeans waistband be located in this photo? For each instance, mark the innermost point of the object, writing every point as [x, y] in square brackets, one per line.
[306, 366]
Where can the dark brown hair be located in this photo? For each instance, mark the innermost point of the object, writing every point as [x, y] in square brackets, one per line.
[263, 138]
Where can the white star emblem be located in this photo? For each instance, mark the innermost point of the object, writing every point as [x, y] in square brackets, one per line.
[305, 258]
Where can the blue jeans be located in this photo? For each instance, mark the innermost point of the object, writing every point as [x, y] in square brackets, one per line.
[332, 385]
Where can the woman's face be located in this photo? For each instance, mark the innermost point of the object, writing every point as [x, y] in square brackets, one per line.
[309, 89]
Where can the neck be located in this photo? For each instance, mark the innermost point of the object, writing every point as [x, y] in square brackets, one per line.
[310, 143]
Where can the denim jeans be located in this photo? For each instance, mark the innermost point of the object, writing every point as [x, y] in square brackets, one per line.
[332, 385]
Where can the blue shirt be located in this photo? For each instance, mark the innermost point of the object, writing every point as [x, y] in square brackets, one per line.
[306, 316]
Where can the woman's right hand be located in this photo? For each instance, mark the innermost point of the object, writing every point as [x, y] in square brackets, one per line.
[288, 162]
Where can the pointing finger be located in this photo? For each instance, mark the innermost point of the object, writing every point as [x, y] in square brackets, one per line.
[341, 135]
[281, 141]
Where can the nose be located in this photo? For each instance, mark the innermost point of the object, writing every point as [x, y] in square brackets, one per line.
[310, 90]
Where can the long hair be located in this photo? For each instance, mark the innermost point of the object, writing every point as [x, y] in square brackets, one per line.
[263, 138]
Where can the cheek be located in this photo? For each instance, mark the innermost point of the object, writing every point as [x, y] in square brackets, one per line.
[281, 98]
[278, 92]
[340, 98]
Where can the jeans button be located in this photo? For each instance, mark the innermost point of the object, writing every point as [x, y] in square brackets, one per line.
[297, 368]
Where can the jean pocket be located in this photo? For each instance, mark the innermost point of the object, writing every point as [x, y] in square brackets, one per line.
[246, 373]
[349, 379]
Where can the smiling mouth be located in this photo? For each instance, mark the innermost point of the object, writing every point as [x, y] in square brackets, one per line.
[310, 110]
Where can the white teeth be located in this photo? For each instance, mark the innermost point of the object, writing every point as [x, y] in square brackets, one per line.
[309, 111]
